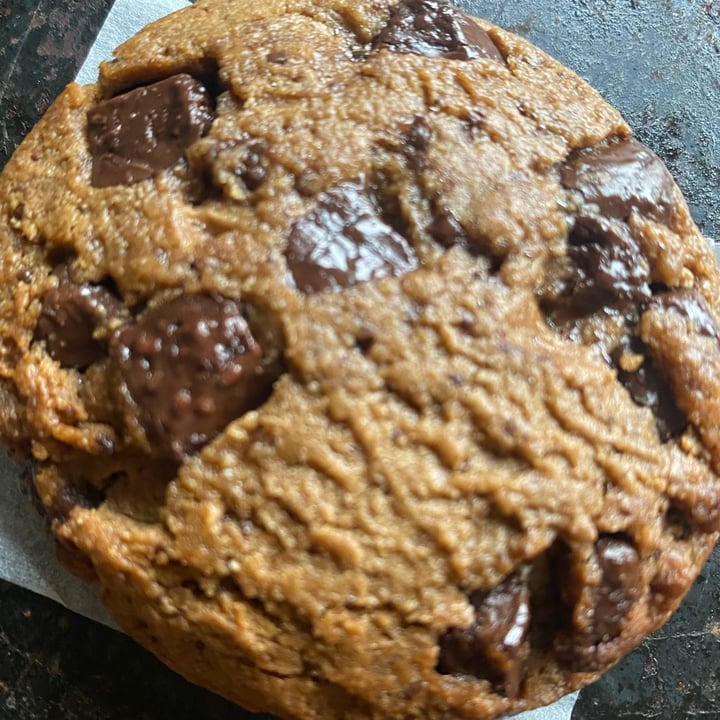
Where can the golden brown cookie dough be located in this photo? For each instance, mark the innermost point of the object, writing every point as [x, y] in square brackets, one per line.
[364, 357]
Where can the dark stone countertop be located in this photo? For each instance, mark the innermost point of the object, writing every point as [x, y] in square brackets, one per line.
[659, 62]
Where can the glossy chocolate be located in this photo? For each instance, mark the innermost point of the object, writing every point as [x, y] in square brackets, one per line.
[434, 28]
[619, 587]
[70, 316]
[620, 176]
[142, 132]
[191, 365]
[343, 241]
[493, 646]
[609, 270]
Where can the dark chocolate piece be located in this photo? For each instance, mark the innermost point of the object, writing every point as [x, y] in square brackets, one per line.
[343, 241]
[619, 588]
[70, 316]
[446, 229]
[599, 612]
[144, 131]
[609, 270]
[419, 134]
[68, 497]
[253, 166]
[493, 647]
[192, 366]
[649, 389]
[620, 176]
[434, 28]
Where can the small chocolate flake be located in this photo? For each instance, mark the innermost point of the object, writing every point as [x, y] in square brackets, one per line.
[253, 167]
[620, 176]
[140, 133]
[192, 366]
[446, 229]
[277, 57]
[434, 28]
[419, 134]
[343, 241]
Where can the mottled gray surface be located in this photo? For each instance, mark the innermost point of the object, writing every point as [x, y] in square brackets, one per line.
[658, 61]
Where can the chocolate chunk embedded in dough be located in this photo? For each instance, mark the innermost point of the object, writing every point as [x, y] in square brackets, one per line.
[343, 241]
[142, 132]
[601, 610]
[619, 588]
[191, 366]
[70, 316]
[493, 647]
[434, 28]
[620, 176]
[649, 389]
[610, 270]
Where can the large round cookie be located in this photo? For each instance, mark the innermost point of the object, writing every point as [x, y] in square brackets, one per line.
[365, 358]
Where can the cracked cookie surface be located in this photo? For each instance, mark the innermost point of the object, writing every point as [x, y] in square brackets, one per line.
[365, 358]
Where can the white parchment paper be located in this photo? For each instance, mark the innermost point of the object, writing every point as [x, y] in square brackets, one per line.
[27, 555]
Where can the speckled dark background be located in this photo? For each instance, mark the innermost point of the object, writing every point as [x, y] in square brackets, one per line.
[656, 60]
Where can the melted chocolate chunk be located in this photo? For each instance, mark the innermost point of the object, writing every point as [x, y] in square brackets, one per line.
[608, 271]
[434, 28]
[192, 366]
[620, 176]
[417, 139]
[72, 496]
[419, 134]
[69, 318]
[493, 647]
[343, 242]
[600, 612]
[619, 588]
[142, 132]
[649, 389]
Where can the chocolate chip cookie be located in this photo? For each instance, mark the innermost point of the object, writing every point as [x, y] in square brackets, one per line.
[365, 359]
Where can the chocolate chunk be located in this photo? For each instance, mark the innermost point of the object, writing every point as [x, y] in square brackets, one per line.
[445, 228]
[142, 132]
[253, 166]
[493, 647]
[419, 134]
[620, 176]
[417, 139]
[434, 28]
[191, 365]
[69, 497]
[619, 588]
[343, 241]
[598, 612]
[70, 316]
[609, 267]
[649, 389]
